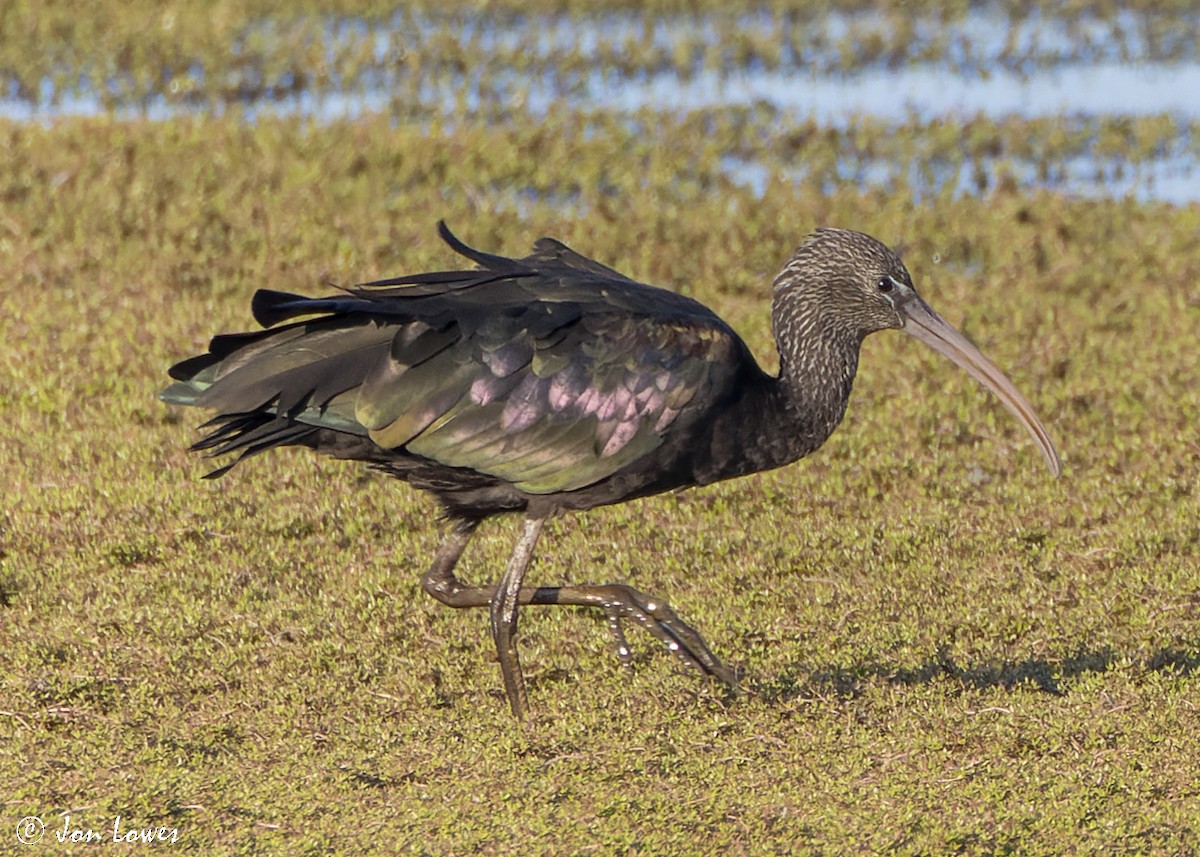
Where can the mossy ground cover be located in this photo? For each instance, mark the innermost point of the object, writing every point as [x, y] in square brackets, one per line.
[943, 648]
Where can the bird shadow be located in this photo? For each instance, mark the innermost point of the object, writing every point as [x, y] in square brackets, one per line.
[1044, 675]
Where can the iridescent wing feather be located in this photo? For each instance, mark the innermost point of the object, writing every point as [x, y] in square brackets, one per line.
[550, 372]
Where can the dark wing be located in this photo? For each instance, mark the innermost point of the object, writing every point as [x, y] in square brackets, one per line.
[550, 372]
[547, 413]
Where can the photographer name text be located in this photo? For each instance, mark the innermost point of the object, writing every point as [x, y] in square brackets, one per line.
[118, 833]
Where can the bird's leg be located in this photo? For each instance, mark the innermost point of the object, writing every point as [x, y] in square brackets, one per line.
[440, 581]
[618, 601]
[502, 599]
[504, 607]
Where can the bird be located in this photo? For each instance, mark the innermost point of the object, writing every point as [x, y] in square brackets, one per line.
[552, 384]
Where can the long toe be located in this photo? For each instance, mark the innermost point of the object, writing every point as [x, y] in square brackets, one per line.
[657, 617]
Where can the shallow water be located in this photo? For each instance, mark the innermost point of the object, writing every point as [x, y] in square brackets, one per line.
[834, 70]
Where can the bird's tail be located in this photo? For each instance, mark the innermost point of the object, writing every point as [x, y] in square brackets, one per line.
[281, 385]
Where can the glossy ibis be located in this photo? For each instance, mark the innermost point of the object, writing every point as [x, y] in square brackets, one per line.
[553, 383]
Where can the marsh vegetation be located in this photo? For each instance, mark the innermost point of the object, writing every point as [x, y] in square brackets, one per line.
[944, 650]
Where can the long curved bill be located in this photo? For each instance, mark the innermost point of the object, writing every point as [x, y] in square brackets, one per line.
[926, 325]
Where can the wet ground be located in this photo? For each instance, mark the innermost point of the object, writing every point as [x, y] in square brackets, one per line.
[1133, 77]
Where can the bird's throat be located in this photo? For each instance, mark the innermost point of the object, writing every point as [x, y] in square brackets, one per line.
[813, 387]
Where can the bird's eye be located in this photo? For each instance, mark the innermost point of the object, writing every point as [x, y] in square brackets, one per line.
[885, 285]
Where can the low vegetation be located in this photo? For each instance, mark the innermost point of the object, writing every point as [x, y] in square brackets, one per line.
[943, 648]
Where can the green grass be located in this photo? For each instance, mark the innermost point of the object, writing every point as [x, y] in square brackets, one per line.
[944, 649]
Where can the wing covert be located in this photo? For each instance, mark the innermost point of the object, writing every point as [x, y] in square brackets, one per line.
[546, 406]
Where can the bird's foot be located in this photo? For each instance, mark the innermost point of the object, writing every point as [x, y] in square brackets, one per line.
[623, 602]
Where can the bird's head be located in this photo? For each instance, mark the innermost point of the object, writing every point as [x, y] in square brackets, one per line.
[846, 284]
[853, 282]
